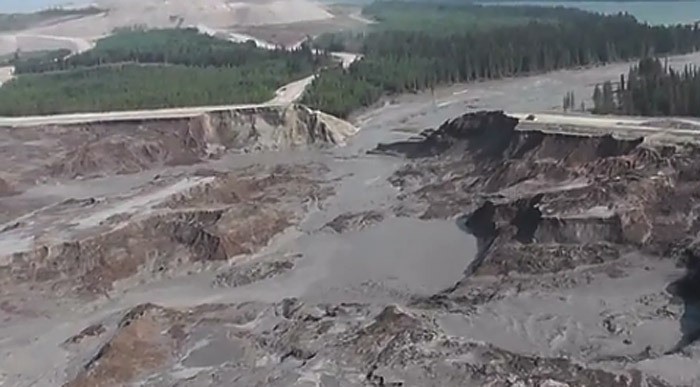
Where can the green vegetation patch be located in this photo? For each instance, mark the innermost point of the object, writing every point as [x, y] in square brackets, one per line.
[651, 88]
[152, 69]
[410, 59]
[448, 18]
[126, 87]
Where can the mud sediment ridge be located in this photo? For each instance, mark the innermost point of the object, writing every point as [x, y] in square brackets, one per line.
[224, 217]
[544, 202]
[125, 147]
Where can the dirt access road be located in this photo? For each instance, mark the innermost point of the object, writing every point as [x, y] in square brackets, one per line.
[665, 129]
[283, 96]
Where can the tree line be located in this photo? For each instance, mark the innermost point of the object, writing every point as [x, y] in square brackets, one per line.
[172, 46]
[133, 87]
[398, 61]
[651, 88]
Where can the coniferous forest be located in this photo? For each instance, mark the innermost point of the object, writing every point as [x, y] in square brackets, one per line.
[651, 88]
[152, 69]
[171, 46]
[528, 40]
[413, 46]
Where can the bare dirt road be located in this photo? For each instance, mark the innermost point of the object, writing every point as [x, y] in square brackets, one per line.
[283, 96]
[6, 74]
[666, 129]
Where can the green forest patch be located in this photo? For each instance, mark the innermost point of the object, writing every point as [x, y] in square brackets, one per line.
[419, 46]
[133, 87]
[152, 69]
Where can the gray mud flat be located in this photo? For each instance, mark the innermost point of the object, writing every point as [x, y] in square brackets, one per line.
[308, 264]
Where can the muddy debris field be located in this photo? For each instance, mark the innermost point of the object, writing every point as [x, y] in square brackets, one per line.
[282, 247]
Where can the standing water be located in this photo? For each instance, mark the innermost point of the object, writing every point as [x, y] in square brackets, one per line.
[652, 12]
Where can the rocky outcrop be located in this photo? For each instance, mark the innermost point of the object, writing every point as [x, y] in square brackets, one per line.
[354, 221]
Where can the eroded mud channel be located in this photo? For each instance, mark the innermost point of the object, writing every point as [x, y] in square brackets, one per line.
[274, 248]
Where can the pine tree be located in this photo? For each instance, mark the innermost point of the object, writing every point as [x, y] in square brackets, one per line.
[608, 98]
[598, 100]
[572, 100]
[653, 88]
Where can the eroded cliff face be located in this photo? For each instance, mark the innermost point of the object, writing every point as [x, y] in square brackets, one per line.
[548, 202]
[269, 128]
[126, 147]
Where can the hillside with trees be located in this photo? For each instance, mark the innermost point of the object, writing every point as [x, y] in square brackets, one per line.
[651, 88]
[171, 46]
[153, 69]
[399, 60]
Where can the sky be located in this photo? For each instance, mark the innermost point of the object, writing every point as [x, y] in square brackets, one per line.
[27, 5]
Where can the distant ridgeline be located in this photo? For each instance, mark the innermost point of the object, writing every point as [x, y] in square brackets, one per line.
[19, 21]
[152, 69]
[651, 88]
[416, 46]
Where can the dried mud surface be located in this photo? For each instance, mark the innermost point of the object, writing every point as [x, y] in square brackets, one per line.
[250, 249]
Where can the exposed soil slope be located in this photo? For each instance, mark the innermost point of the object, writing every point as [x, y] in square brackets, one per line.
[130, 146]
[482, 253]
[544, 203]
